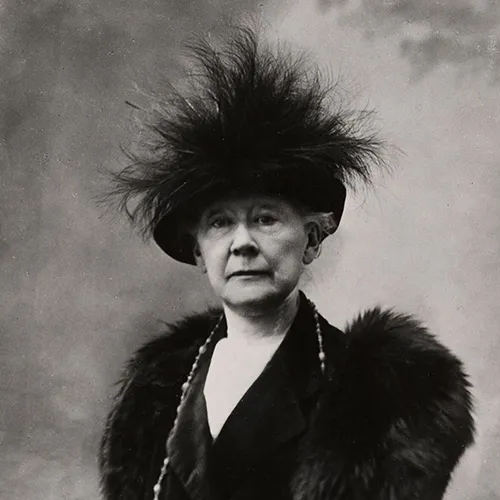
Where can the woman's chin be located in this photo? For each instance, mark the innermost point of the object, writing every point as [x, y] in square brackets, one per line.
[253, 296]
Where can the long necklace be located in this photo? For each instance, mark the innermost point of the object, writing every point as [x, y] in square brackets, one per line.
[187, 384]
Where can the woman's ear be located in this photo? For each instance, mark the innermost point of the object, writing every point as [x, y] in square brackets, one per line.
[313, 243]
[200, 262]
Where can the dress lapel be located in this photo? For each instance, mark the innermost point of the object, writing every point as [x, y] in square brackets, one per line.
[189, 446]
[271, 413]
[267, 416]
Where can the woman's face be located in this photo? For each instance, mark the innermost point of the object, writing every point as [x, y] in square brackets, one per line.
[253, 249]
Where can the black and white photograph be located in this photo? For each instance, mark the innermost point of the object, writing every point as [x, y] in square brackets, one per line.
[250, 250]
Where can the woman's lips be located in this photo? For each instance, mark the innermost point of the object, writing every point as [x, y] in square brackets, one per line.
[248, 273]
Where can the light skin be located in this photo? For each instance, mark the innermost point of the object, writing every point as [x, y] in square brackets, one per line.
[254, 250]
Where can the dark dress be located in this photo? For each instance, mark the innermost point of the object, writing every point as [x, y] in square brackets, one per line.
[389, 419]
[261, 435]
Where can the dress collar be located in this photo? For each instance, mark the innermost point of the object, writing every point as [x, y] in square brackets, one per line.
[269, 415]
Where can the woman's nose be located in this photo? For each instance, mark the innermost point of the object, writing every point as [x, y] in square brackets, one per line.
[243, 242]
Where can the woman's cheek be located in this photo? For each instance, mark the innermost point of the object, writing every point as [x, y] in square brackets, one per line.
[293, 246]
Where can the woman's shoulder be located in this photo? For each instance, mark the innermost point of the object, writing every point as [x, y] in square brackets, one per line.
[401, 385]
[398, 353]
[399, 404]
[166, 354]
[394, 350]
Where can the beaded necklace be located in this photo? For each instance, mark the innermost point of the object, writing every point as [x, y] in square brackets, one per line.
[187, 384]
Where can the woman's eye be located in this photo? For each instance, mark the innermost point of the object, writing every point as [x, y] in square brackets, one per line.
[266, 220]
[219, 222]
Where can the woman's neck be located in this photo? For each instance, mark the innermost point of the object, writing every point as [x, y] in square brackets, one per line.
[259, 326]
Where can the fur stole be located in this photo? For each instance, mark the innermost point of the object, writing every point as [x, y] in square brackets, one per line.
[392, 427]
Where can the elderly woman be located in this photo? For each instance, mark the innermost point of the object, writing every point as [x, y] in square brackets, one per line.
[264, 399]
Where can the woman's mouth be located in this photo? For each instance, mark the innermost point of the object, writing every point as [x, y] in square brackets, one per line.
[248, 273]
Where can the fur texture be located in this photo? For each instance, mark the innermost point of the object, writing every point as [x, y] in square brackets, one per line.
[392, 426]
[397, 424]
[252, 118]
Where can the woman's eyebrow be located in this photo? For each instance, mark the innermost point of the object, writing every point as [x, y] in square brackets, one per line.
[266, 206]
[215, 210]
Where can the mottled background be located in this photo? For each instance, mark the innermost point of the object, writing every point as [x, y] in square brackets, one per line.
[79, 292]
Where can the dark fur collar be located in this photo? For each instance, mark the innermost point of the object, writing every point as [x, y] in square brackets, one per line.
[393, 424]
[398, 422]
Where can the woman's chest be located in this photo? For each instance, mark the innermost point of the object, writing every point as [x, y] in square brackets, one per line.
[227, 478]
[254, 453]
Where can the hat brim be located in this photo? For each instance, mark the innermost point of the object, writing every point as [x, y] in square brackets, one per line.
[172, 234]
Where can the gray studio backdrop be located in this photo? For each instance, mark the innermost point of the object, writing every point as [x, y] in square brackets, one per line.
[79, 292]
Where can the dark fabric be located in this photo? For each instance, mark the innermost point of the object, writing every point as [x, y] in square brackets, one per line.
[189, 447]
[389, 420]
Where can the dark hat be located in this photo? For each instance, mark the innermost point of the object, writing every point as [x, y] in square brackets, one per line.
[253, 120]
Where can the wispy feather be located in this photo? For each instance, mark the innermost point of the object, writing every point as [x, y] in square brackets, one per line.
[250, 113]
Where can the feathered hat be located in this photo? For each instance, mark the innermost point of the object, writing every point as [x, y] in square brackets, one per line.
[254, 119]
